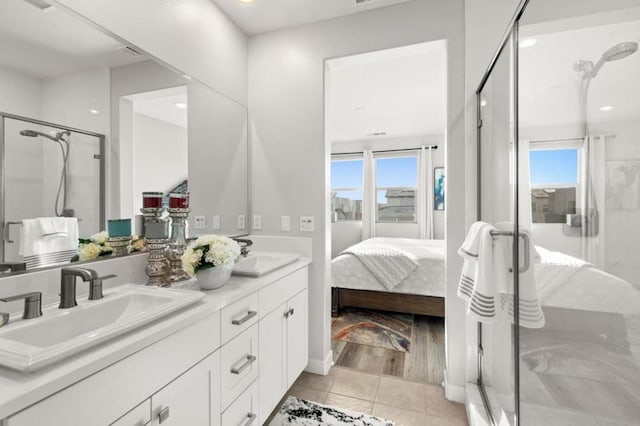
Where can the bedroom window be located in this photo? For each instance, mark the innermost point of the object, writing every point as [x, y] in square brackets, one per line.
[396, 181]
[554, 183]
[346, 188]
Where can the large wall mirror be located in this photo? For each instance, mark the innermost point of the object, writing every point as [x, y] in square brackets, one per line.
[87, 124]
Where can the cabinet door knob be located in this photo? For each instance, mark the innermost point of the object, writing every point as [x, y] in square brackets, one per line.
[248, 362]
[251, 417]
[163, 415]
[286, 314]
[245, 318]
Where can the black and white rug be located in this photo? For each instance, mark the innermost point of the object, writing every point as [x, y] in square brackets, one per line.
[298, 412]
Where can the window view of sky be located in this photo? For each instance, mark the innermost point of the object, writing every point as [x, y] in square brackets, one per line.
[554, 166]
[346, 174]
[396, 171]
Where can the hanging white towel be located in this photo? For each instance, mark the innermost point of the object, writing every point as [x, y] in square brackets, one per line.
[40, 251]
[477, 283]
[57, 227]
[531, 314]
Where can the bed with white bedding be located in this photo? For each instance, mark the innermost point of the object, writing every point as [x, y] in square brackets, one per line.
[395, 274]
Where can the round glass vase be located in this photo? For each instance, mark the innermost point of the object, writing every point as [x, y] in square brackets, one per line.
[212, 278]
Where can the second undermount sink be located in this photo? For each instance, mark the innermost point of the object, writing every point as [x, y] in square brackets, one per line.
[29, 345]
[260, 263]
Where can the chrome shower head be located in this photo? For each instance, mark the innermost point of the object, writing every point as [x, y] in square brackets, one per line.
[34, 134]
[614, 53]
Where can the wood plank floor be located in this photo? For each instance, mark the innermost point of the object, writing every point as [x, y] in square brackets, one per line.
[424, 363]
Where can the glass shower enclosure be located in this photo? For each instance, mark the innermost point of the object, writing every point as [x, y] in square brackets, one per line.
[559, 177]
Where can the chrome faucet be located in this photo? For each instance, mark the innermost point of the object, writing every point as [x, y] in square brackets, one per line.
[68, 285]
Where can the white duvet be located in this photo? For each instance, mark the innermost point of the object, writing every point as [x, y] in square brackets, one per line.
[347, 271]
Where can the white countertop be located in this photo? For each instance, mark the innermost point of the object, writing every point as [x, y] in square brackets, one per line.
[19, 390]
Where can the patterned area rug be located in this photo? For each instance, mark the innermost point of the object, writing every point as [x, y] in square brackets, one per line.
[374, 328]
[298, 412]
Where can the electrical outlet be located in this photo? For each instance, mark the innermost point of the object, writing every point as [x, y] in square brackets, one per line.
[285, 223]
[257, 222]
[306, 223]
[201, 222]
[216, 223]
[241, 221]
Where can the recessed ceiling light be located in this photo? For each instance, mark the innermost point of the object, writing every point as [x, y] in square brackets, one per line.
[606, 108]
[483, 102]
[181, 105]
[528, 42]
[94, 111]
[246, 1]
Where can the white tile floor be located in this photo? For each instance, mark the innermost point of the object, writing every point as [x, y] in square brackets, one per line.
[407, 403]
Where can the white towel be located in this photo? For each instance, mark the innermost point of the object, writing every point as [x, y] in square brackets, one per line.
[477, 282]
[56, 227]
[531, 314]
[389, 265]
[32, 242]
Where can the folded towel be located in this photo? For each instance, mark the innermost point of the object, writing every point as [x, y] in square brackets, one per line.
[388, 264]
[477, 285]
[531, 315]
[56, 227]
[33, 243]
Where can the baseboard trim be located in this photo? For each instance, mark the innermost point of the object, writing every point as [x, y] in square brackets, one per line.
[321, 367]
[453, 392]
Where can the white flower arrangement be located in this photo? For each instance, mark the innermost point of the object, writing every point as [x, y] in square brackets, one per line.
[97, 245]
[210, 251]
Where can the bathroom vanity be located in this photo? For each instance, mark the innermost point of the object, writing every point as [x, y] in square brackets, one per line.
[226, 360]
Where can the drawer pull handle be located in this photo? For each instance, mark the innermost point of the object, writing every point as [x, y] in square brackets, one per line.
[251, 417]
[245, 318]
[163, 415]
[248, 362]
[291, 311]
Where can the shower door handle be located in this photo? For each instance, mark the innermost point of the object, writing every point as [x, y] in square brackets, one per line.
[7, 231]
[527, 248]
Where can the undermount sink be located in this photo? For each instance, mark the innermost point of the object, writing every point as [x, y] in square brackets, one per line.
[29, 345]
[260, 263]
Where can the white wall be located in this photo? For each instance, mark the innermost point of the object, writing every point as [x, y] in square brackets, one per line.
[161, 155]
[193, 36]
[289, 155]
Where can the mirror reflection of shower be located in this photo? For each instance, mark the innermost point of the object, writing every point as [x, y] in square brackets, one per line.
[62, 139]
[590, 70]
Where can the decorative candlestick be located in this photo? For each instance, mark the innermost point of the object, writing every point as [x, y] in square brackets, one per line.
[178, 211]
[155, 238]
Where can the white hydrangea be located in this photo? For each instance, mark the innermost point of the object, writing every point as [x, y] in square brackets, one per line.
[89, 251]
[221, 251]
[100, 237]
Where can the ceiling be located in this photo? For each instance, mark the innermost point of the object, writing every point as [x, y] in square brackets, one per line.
[549, 86]
[399, 92]
[270, 15]
[44, 44]
[161, 105]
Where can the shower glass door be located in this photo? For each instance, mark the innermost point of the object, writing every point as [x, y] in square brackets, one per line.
[579, 138]
[496, 188]
[33, 179]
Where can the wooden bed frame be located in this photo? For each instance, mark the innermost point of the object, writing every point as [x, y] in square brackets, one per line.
[394, 302]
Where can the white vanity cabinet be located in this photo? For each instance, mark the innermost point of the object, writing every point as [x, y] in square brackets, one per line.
[284, 348]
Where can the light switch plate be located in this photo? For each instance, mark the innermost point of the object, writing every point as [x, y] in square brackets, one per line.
[216, 222]
[285, 223]
[306, 223]
[241, 221]
[201, 222]
[257, 222]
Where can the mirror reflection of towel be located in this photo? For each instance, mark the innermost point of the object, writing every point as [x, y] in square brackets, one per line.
[56, 227]
[33, 240]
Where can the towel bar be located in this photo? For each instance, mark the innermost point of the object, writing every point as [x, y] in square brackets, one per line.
[527, 249]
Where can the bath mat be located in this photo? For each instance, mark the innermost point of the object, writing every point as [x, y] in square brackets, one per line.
[299, 412]
[374, 328]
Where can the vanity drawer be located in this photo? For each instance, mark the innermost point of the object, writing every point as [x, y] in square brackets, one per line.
[139, 416]
[238, 365]
[282, 290]
[239, 317]
[244, 410]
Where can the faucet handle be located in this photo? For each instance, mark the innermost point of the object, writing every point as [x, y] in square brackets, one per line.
[95, 286]
[32, 303]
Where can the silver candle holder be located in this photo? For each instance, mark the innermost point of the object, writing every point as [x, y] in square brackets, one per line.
[120, 245]
[177, 244]
[155, 240]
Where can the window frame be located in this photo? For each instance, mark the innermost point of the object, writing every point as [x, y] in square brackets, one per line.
[347, 157]
[557, 146]
[411, 153]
